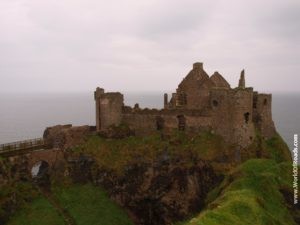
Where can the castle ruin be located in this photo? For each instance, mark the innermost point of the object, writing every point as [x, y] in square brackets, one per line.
[201, 103]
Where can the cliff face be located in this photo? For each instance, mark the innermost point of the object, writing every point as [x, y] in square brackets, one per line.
[14, 186]
[156, 179]
[257, 192]
[159, 179]
[162, 192]
[155, 194]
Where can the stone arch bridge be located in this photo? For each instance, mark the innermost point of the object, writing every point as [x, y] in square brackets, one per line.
[32, 152]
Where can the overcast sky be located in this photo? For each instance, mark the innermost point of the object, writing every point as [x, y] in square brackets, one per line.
[146, 45]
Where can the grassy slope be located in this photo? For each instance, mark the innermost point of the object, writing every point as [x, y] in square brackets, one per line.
[250, 195]
[89, 205]
[40, 211]
[115, 154]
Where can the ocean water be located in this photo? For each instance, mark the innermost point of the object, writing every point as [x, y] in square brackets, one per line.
[26, 116]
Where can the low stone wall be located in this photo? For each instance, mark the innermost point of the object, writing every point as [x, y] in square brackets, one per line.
[144, 124]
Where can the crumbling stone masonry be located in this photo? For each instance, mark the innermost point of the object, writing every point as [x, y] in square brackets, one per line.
[200, 103]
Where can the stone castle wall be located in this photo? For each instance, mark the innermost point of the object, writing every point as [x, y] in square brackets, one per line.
[262, 114]
[145, 124]
[220, 104]
[241, 112]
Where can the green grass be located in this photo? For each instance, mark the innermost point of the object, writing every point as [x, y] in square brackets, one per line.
[89, 205]
[116, 154]
[250, 195]
[38, 212]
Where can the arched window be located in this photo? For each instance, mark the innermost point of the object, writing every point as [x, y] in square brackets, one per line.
[246, 117]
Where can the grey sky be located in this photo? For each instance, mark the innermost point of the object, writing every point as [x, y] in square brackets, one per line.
[135, 45]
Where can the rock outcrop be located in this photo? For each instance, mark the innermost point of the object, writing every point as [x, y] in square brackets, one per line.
[154, 194]
[66, 136]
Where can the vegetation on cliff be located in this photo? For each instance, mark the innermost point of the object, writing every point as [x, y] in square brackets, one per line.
[86, 204]
[241, 198]
[257, 192]
[37, 212]
[116, 154]
[89, 204]
[15, 190]
[152, 172]
[278, 149]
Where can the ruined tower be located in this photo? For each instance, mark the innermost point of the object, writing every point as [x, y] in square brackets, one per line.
[109, 108]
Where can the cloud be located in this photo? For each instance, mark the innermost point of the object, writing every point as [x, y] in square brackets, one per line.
[133, 45]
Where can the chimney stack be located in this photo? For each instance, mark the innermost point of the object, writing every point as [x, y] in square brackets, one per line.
[242, 82]
[165, 100]
[198, 65]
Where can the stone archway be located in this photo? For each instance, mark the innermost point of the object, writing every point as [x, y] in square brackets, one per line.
[43, 163]
[40, 173]
[39, 169]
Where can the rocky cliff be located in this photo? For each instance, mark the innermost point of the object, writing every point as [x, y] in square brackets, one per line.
[159, 179]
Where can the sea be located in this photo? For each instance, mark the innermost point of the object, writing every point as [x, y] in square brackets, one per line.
[25, 116]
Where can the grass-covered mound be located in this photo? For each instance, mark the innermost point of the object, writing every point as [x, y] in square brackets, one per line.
[251, 194]
[116, 154]
[89, 204]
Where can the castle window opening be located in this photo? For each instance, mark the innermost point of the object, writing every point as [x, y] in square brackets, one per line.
[159, 123]
[215, 103]
[265, 101]
[246, 117]
[181, 122]
[254, 104]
